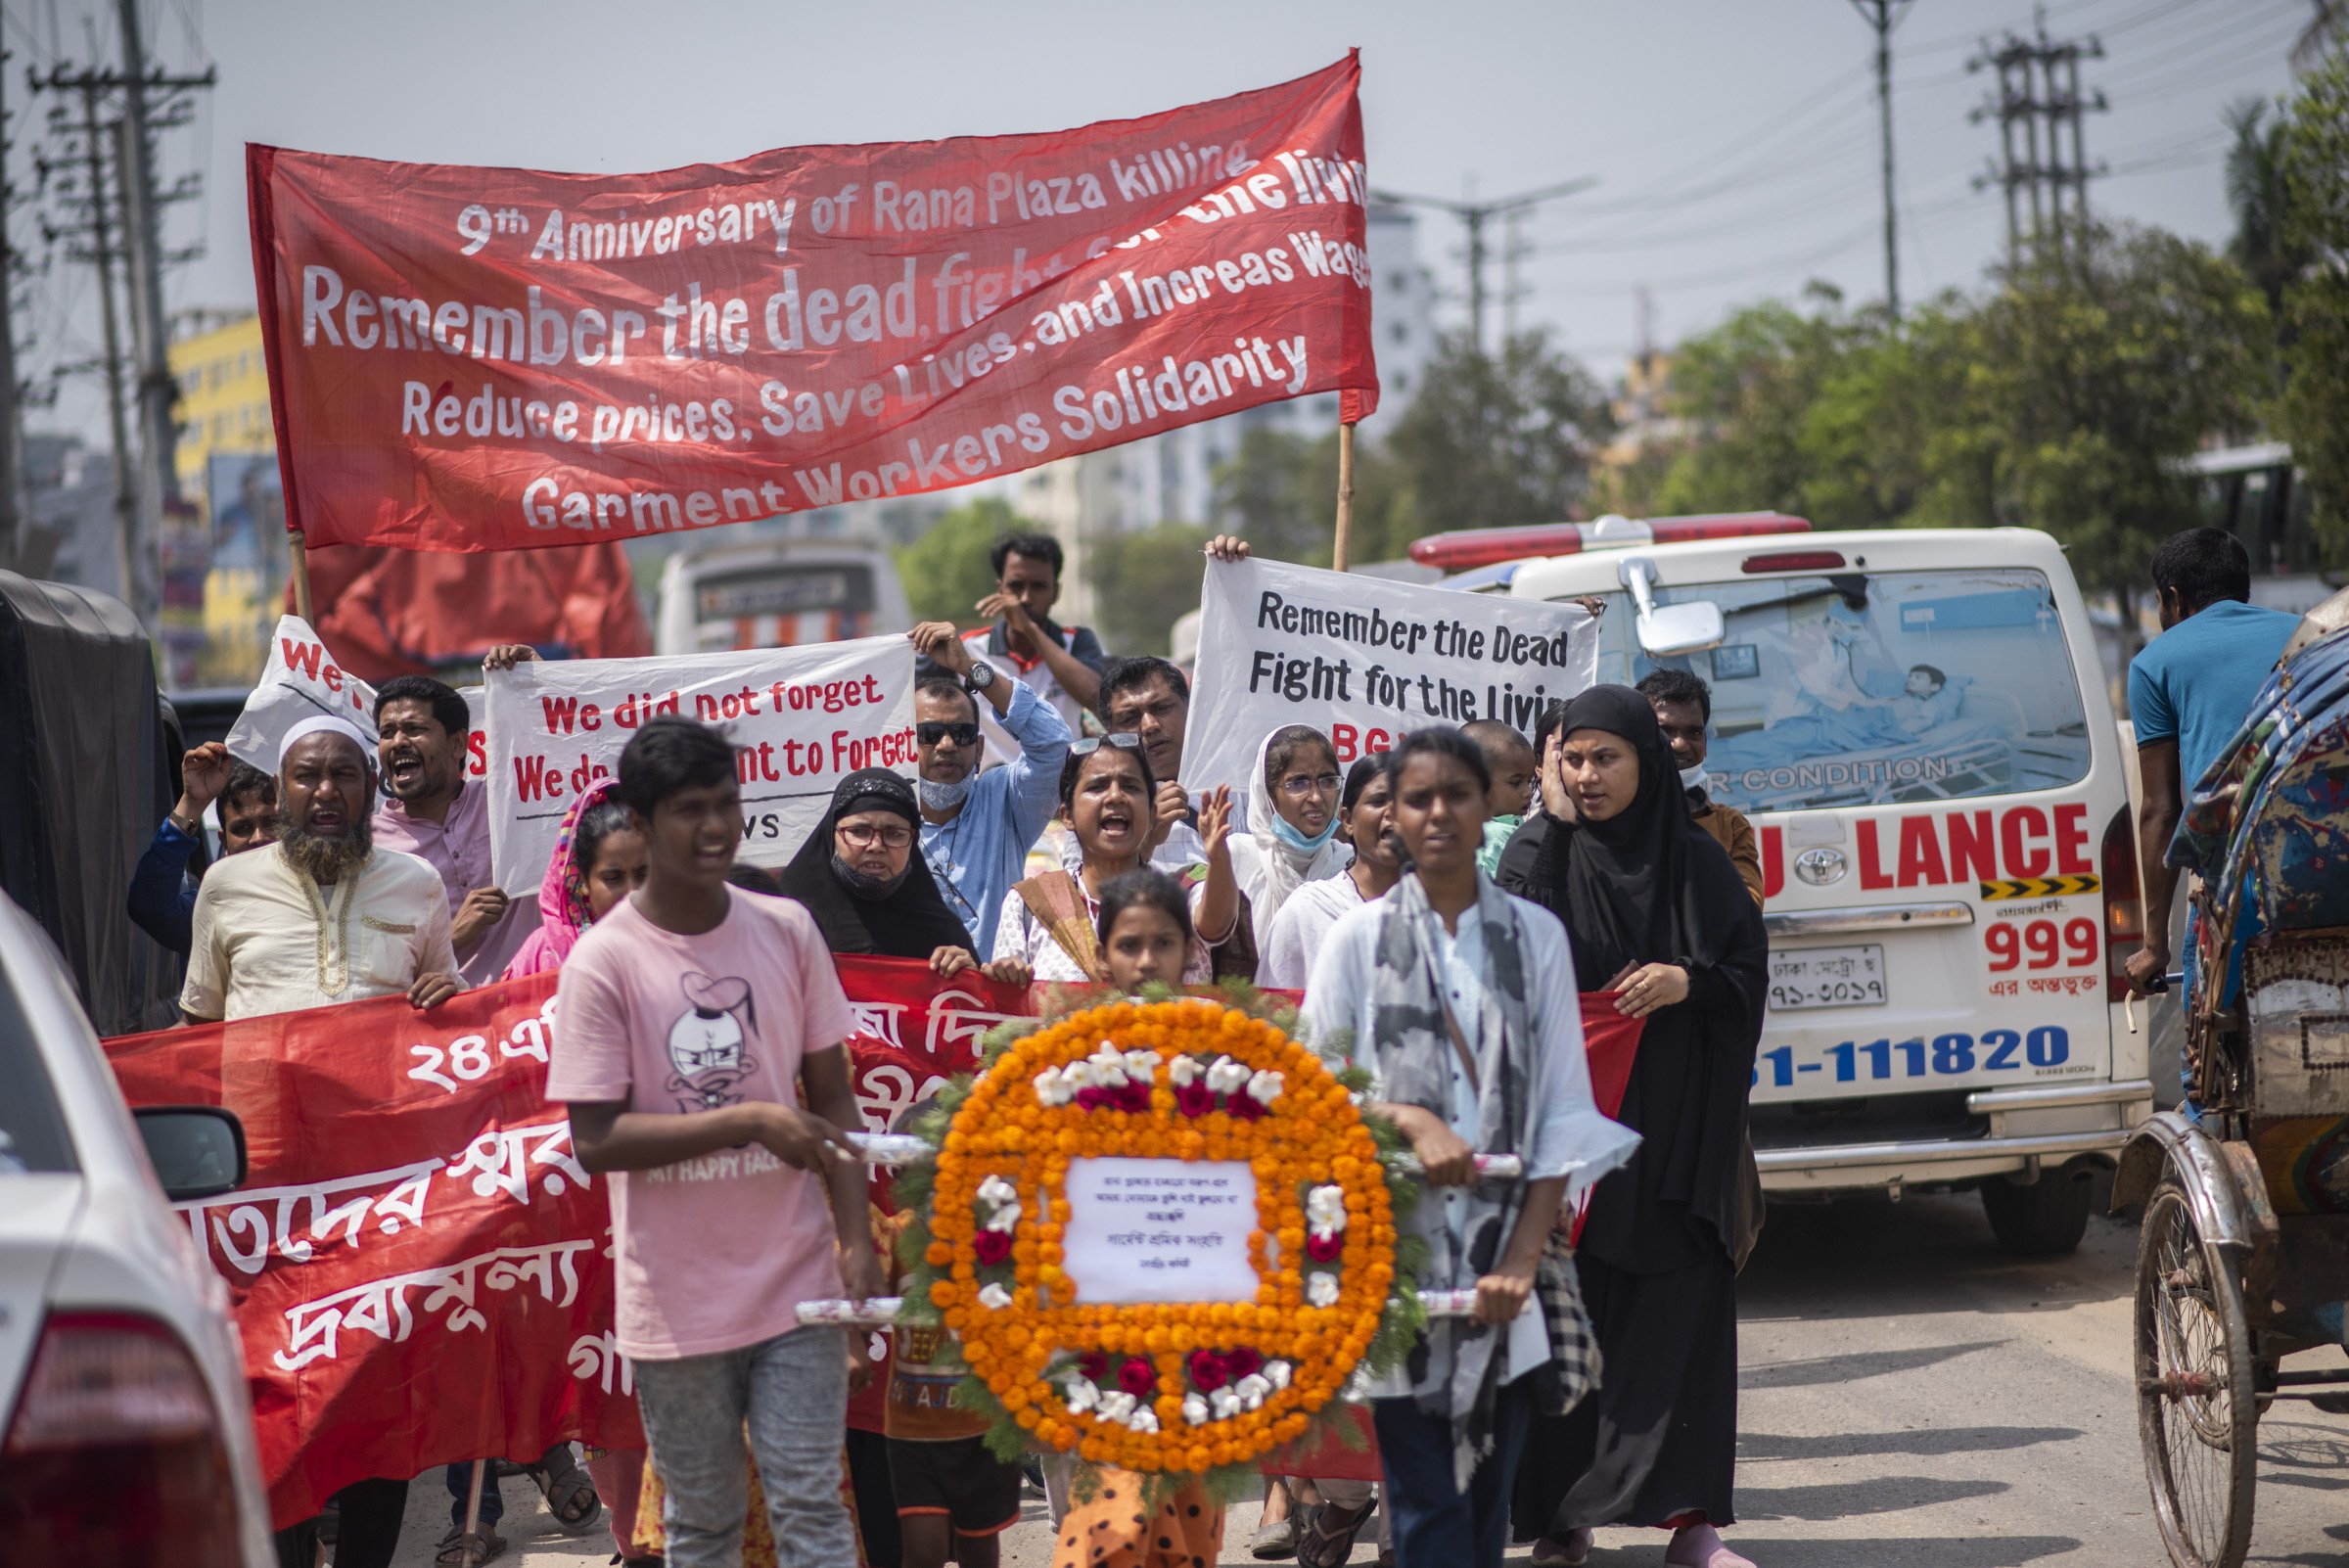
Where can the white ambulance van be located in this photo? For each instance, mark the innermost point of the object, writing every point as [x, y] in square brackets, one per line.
[1913, 720]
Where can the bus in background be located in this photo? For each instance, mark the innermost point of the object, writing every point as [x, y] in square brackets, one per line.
[778, 593]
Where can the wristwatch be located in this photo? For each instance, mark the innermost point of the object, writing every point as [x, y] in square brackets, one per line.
[981, 677]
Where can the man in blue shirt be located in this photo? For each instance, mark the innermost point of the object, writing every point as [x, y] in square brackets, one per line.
[977, 827]
[162, 896]
[2189, 691]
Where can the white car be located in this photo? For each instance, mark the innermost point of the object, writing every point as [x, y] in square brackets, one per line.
[128, 1440]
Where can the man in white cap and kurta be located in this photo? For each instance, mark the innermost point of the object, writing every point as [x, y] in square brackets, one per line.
[324, 916]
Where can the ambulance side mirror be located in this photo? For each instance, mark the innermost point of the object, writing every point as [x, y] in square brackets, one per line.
[1666, 631]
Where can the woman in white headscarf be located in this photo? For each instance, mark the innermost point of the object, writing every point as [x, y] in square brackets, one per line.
[1292, 835]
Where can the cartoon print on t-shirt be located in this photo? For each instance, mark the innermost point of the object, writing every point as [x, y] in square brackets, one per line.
[705, 1043]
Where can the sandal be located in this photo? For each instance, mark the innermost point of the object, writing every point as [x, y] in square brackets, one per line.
[570, 1495]
[461, 1551]
[1326, 1543]
[1276, 1542]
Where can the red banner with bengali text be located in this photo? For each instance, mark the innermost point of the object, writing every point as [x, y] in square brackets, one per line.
[468, 359]
[419, 1267]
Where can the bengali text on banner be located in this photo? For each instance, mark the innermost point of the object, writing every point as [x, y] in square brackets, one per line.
[473, 358]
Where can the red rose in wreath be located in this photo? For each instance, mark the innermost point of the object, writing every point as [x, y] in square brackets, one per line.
[1242, 1107]
[1136, 1378]
[1322, 1248]
[1209, 1371]
[1095, 1364]
[992, 1247]
[1194, 1098]
[1242, 1363]
[1133, 1097]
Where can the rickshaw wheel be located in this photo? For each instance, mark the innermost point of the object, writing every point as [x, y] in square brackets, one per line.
[2197, 1415]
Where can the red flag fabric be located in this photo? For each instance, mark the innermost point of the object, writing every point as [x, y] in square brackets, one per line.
[489, 359]
[390, 613]
[419, 1267]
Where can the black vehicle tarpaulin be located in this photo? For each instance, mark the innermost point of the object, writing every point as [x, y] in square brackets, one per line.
[83, 781]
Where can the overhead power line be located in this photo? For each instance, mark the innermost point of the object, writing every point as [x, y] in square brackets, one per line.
[1475, 215]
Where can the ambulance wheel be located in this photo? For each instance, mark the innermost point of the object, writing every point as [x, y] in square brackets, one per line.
[2046, 1218]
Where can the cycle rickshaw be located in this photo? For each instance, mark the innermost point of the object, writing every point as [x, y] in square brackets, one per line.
[2244, 1256]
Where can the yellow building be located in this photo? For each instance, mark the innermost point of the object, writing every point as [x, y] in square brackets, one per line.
[228, 472]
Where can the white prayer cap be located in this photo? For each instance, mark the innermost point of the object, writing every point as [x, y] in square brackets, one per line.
[327, 724]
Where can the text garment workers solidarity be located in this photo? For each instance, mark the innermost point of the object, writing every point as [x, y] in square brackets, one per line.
[473, 359]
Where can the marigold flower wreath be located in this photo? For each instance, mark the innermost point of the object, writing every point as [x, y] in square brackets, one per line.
[1176, 1389]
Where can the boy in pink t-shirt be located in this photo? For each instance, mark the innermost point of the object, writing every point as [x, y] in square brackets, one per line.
[689, 1019]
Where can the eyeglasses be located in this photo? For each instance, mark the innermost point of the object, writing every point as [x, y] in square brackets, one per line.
[1093, 743]
[1297, 786]
[862, 834]
[931, 731]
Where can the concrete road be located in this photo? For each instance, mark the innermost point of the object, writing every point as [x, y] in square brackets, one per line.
[1913, 1397]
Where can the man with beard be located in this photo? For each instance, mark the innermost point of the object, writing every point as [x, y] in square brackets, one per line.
[325, 915]
[422, 728]
[322, 917]
[977, 827]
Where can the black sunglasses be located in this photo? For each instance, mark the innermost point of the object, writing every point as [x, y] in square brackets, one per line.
[1093, 743]
[931, 731]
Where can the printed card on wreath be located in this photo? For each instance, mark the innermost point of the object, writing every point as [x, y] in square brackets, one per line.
[1163, 1233]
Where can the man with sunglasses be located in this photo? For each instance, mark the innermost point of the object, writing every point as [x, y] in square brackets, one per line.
[977, 827]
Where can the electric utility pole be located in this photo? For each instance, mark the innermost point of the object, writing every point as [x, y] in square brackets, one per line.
[2038, 101]
[1475, 215]
[14, 527]
[1884, 16]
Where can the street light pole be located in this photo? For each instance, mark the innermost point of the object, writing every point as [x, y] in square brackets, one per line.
[1884, 16]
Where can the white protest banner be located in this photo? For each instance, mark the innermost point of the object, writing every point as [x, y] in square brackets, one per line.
[301, 680]
[1366, 660]
[801, 720]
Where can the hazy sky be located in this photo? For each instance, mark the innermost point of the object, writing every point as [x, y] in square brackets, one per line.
[1734, 140]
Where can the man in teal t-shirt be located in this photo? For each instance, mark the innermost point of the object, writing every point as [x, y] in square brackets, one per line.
[2189, 692]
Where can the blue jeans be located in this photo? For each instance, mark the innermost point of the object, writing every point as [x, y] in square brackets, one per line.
[460, 1482]
[1432, 1522]
[792, 1393]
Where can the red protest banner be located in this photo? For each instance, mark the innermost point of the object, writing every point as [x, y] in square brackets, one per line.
[418, 1265]
[488, 359]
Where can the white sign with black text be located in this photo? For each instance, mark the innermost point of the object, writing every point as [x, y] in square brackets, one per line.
[1160, 1231]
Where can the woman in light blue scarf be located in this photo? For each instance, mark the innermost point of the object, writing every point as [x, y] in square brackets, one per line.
[1292, 835]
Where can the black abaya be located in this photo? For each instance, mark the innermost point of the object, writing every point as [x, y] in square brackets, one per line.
[910, 920]
[1657, 1440]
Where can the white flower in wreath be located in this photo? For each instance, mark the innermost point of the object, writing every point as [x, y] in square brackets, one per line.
[1083, 1394]
[1141, 1064]
[1004, 1218]
[1265, 1087]
[1183, 1070]
[1325, 1210]
[994, 1298]
[1321, 1290]
[1051, 1089]
[1143, 1420]
[1252, 1388]
[1108, 1065]
[1194, 1410]
[997, 1191]
[1226, 1076]
[1077, 1076]
[1117, 1407]
[1277, 1373]
[1225, 1402]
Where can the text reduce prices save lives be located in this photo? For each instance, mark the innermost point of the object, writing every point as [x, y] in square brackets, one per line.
[1366, 661]
[801, 720]
[501, 360]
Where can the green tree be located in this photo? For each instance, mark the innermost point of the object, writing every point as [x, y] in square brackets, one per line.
[1143, 582]
[945, 570]
[2093, 372]
[1266, 492]
[2313, 412]
[2257, 195]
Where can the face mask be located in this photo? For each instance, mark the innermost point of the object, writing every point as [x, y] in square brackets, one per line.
[1694, 779]
[871, 889]
[1300, 842]
[942, 796]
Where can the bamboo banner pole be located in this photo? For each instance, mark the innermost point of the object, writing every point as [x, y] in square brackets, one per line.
[301, 576]
[1342, 545]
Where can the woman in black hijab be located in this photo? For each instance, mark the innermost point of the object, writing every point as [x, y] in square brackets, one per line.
[870, 891]
[1654, 910]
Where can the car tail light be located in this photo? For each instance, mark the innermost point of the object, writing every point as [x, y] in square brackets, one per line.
[115, 1458]
[2124, 904]
[1796, 561]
